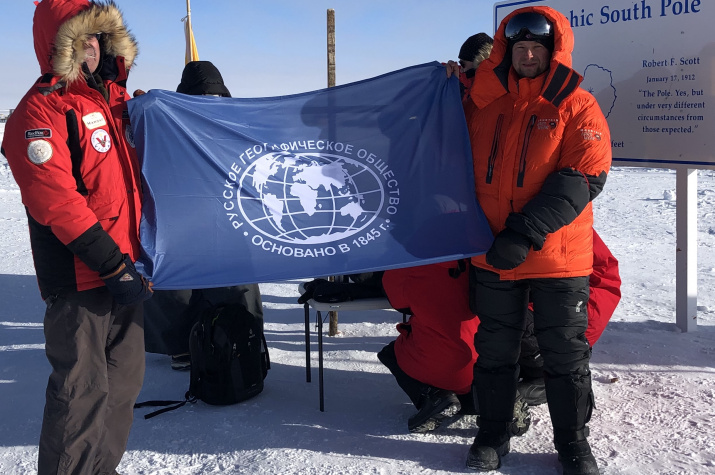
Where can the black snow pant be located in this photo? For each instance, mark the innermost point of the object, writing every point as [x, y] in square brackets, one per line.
[411, 386]
[560, 321]
[531, 364]
[96, 349]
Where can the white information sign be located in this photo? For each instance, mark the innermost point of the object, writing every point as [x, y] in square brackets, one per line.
[651, 66]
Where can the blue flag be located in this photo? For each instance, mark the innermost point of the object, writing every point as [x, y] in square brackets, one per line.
[367, 176]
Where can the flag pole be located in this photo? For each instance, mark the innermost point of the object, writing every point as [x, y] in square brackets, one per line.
[192, 53]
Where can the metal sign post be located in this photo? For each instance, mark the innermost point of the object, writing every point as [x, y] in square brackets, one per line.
[686, 255]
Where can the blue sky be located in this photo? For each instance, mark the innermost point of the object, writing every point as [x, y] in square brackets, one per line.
[267, 47]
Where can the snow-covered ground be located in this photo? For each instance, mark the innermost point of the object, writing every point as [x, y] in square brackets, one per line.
[655, 386]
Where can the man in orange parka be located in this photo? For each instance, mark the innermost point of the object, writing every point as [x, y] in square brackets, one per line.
[541, 150]
[71, 151]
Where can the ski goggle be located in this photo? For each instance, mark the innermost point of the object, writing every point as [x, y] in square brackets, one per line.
[528, 26]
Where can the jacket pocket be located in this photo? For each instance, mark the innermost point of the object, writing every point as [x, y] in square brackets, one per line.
[524, 150]
[106, 210]
[495, 148]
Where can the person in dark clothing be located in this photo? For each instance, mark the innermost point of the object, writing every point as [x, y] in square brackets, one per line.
[171, 314]
[202, 78]
[541, 149]
[70, 148]
[474, 50]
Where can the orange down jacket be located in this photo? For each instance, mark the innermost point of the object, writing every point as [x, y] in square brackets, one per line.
[541, 149]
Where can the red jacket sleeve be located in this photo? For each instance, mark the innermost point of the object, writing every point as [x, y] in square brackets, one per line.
[605, 289]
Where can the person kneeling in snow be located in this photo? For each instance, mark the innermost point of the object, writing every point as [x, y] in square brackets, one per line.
[433, 357]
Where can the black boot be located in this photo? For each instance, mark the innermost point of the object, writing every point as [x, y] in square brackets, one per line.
[571, 403]
[496, 394]
[490, 445]
[434, 406]
[576, 458]
[522, 417]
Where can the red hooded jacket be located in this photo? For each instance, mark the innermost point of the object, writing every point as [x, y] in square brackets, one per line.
[71, 151]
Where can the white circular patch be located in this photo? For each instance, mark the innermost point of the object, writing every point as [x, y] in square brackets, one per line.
[39, 151]
[129, 135]
[101, 140]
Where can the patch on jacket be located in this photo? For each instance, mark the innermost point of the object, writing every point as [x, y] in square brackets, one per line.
[94, 120]
[547, 124]
[590, 134]
[38, 134]
[101, 140]
[39, 151]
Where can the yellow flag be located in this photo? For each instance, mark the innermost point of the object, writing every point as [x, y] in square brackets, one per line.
[192, 54]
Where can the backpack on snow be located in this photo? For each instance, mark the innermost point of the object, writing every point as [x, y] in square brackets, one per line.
[229, 358]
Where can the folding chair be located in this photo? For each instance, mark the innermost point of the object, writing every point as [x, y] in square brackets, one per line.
[319, 307]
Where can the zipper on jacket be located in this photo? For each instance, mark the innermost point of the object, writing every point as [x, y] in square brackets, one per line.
[495, 148]
[522, 159]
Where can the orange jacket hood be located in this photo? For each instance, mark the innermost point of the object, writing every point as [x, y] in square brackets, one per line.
[493, 75]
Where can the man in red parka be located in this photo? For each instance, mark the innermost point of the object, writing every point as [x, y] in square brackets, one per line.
[70, 148]
[541, 149]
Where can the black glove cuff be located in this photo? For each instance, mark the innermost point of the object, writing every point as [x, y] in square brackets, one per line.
[126, 284]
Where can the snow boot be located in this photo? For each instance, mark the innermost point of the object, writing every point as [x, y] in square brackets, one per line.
[434, 405]
[496, 395]
[490, 445]
[522, 417]
[576, 458]
[181, 362]
[571, 405]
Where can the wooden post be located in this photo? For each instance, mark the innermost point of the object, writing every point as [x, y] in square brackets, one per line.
[332, 315]
[331, 47]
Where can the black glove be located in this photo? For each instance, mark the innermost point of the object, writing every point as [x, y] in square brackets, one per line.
[508, 250]
[310, 289]
[126, 284]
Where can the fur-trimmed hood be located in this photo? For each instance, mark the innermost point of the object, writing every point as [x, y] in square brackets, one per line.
[61, 27]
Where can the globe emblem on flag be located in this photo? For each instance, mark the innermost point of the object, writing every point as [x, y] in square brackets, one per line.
[309, 198]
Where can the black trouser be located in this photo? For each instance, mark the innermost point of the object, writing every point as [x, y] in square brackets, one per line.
[531, 364]
[412, 387]
[560, 321]
[96, 349]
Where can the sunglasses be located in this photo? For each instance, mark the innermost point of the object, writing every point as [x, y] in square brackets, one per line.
[96, 35]
[528, 25]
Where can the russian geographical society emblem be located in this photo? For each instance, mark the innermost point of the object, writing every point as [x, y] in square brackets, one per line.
[310, 198]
